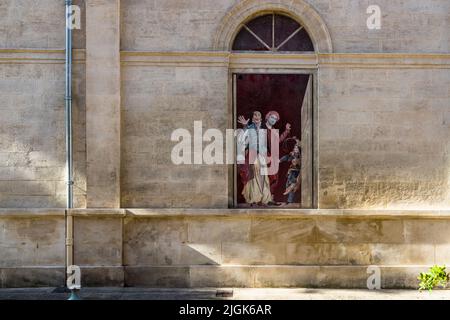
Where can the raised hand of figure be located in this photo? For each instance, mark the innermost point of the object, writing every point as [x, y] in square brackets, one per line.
[288, 126]
[243, 121]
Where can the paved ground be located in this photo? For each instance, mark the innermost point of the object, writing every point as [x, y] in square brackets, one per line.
[212, 293]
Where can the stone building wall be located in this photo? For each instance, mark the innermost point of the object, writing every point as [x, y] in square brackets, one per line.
[384, 137]
[32, 139]
[141, 71]
[156, 101]
[408, 26]
[32, 154]
[223, 248]
[28, 24]
[383, 130]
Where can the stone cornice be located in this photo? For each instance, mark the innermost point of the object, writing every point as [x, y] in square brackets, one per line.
[289, 61]
[240, 60]
[291, 213]
[286, 60]
[40, 56]
[384, 60]
[195, 58]
[232, 213]
[30, 213]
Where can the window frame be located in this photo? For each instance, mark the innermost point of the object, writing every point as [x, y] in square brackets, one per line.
[271, 49]
[305, 69]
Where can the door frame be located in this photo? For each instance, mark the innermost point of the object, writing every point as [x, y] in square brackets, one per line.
[311, 70]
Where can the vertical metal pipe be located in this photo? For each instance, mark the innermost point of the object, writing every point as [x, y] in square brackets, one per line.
[68, 119]
[68, 98]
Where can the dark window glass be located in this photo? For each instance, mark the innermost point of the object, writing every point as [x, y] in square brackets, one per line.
[272, 32]
[262, 27]
[284, 27]
[246, 41]
[299, 42]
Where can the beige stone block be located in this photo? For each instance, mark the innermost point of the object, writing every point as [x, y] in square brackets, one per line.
[281, 230]
[97, 241]
[443, 254]
[157, 277]
[221, 276]
[158, 253]
[103, 103]
[29, 277]
[14, 159]
[32, 242]
[392, 277]
[41, 32]
[286, 276]
[359, 231]
[427, 231]
[401, 277]
[102, 196]
[338, 131]
[238, 253]
[16, 201]
[164, 242]
[30, 188]
[207, 230]
[328, 90]
[201, 254]
[368, 75]
[402, 254]
[155, 229]
[95, 276]
[398, 277]
[355, 117]
[328, 254]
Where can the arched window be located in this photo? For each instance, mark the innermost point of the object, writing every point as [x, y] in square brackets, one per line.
[272, 32]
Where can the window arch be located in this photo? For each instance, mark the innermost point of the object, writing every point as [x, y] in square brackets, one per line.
[272, 32]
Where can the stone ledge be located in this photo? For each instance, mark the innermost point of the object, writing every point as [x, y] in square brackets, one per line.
[285, 60]
[44, 56]
[287, 213]
[31, 213]
[97, 212]
[233, 213]
[240, 59]
[385, 60]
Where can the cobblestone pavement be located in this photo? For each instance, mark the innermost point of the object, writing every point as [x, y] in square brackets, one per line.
[114, 293]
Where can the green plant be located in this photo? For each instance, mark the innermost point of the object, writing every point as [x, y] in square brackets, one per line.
[436, 276]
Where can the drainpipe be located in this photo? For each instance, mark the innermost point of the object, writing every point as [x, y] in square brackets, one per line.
[68, 120]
